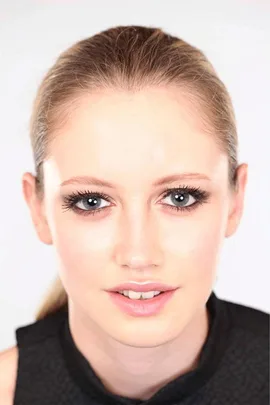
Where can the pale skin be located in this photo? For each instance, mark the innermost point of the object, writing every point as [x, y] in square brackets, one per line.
[131, 141]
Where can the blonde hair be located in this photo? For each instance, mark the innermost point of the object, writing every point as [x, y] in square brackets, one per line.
[127, 58]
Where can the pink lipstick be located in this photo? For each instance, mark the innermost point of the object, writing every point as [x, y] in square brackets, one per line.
[141, 299]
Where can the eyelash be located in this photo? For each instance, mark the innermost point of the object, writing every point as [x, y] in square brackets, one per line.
[71, 200]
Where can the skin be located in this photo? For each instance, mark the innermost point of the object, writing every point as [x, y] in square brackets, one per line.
[131, 140]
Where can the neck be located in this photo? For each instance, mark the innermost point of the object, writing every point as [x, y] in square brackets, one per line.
[135, 372]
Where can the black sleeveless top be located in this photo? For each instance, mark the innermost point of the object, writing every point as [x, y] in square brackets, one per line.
[233, 367]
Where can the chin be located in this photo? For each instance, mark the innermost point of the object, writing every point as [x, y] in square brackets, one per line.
[147, 334]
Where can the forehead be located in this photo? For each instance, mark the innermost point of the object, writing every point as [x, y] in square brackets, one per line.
[145, 134]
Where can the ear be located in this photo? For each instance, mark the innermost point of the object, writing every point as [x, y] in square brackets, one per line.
[237, 200]
[36, 207]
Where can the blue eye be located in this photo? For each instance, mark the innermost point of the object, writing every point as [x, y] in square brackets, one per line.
[91, 203]
[183, 198]
[186, 198]
[85, 202]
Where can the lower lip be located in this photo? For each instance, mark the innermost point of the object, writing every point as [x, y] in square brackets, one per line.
[145, 307]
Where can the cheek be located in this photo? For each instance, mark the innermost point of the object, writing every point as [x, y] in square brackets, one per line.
[204, 257]
[82, 248]
[195, 242]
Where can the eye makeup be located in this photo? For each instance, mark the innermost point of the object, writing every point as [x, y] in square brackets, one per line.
[89, 199]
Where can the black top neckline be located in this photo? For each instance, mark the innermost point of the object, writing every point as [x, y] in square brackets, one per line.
[183, 386]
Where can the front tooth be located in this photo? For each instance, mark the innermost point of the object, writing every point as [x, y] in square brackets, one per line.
[134, 295]
[156, 292]
[148, 294]
[125, 292]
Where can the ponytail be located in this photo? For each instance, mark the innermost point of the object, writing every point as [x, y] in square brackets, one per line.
[55, 299]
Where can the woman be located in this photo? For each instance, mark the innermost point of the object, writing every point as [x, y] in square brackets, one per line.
[137, 185]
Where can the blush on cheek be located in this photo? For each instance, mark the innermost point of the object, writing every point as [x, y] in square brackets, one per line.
[81, 236]
[83, 256]
[206, 254]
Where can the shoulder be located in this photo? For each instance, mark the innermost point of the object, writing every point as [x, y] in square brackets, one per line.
[41, 329]
[8, 372]
[251, 320]
[249, 336]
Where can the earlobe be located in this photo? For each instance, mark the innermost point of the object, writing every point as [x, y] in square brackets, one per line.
[233, 223]
[237, 201]
[44, 233]
[35, 205]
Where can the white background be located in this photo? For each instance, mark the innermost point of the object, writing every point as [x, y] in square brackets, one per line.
[235, 35]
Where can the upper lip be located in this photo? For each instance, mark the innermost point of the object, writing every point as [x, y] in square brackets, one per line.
[142, 287]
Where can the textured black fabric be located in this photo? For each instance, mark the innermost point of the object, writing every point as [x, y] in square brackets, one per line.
[233, 367]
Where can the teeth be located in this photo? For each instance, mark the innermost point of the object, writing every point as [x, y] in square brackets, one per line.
[148, 294]
[134, 295]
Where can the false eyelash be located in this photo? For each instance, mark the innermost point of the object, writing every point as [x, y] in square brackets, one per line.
[200, 195]
[71, 200]
[196, 192]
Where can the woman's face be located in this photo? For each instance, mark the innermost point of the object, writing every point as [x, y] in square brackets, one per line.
[131, 142]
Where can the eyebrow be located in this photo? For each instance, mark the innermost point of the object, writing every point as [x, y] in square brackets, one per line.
[94, 181]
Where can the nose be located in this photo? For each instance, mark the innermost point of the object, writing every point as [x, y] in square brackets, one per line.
[138, 246]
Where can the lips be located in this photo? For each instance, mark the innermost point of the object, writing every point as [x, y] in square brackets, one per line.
[142, 287]
[141, 308]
